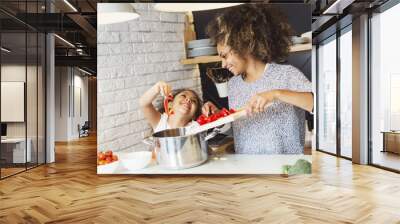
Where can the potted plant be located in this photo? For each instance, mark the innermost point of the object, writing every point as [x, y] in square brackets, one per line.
[220, 76]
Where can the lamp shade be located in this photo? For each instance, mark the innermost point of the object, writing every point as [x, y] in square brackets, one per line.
[186, 7]
[108, 13]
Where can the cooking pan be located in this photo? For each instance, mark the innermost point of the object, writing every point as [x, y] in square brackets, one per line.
[177, 149]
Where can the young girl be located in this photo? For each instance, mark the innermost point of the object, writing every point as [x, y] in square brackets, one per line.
[186, 107]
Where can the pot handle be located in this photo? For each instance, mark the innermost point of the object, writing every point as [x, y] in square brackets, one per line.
[214, 133]
[149, 141]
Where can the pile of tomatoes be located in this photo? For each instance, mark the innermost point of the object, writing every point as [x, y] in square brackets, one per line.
[106, 157]
[202, 119]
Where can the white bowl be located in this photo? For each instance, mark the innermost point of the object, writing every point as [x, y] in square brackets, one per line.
[135, 160]
[107, 168]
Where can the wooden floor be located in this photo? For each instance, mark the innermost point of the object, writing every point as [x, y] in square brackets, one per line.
[10, 171]
[386, 159]
[69, 191]
[5, 172]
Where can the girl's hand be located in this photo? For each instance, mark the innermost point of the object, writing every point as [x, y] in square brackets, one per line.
[259, 102]
[163, 88]
[209, 108]
[149, 111]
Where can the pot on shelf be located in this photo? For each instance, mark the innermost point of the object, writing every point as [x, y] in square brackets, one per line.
[222, 89]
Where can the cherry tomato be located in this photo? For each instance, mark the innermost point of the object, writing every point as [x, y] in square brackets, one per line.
[201, 119]
[108, 153]
[101, 156]
[201, 122]
[214, 117]
[114, 158]
[109, 160]
[224, 112]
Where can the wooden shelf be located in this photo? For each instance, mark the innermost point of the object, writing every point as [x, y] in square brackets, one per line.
[201, 59]
[301, 47]
[216, 58]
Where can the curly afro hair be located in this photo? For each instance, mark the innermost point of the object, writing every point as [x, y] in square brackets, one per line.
[259, 30]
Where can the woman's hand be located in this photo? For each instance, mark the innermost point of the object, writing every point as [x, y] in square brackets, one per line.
[259, 102]
[209, 107]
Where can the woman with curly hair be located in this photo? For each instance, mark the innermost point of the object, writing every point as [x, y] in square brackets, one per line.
[252, 40]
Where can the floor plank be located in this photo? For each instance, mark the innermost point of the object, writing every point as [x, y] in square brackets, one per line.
[70, 191]
[386, 159]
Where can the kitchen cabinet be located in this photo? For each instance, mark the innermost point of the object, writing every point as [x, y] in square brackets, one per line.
[14, 152]
[391, 141]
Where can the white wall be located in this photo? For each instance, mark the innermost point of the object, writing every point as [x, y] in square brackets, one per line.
[11, 73]
[66, 121]
[33, 127]
[61, 103]
[14, 72]
[132, 57]
[80, 82]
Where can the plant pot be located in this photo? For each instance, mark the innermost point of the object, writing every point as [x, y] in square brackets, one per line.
[222, 89]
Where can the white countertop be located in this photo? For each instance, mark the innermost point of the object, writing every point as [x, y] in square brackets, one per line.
[227, 164]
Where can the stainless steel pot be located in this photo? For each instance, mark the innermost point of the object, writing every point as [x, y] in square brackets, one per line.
[177, 150]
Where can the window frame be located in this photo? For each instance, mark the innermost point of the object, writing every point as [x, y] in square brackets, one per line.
[338, 29]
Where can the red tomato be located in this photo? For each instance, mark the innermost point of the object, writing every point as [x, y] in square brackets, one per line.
[109, 160]
[114, 158]
[101, 156]
[214, 117]
[232, 111]
[108, 153]
[224, 112]
[201, 122]
[201, 119]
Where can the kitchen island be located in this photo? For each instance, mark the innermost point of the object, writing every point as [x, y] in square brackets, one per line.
[227, 164]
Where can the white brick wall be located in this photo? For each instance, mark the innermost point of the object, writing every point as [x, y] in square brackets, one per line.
[131, 57]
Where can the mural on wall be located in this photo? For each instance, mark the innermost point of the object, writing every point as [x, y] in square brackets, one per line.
[155, 109]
